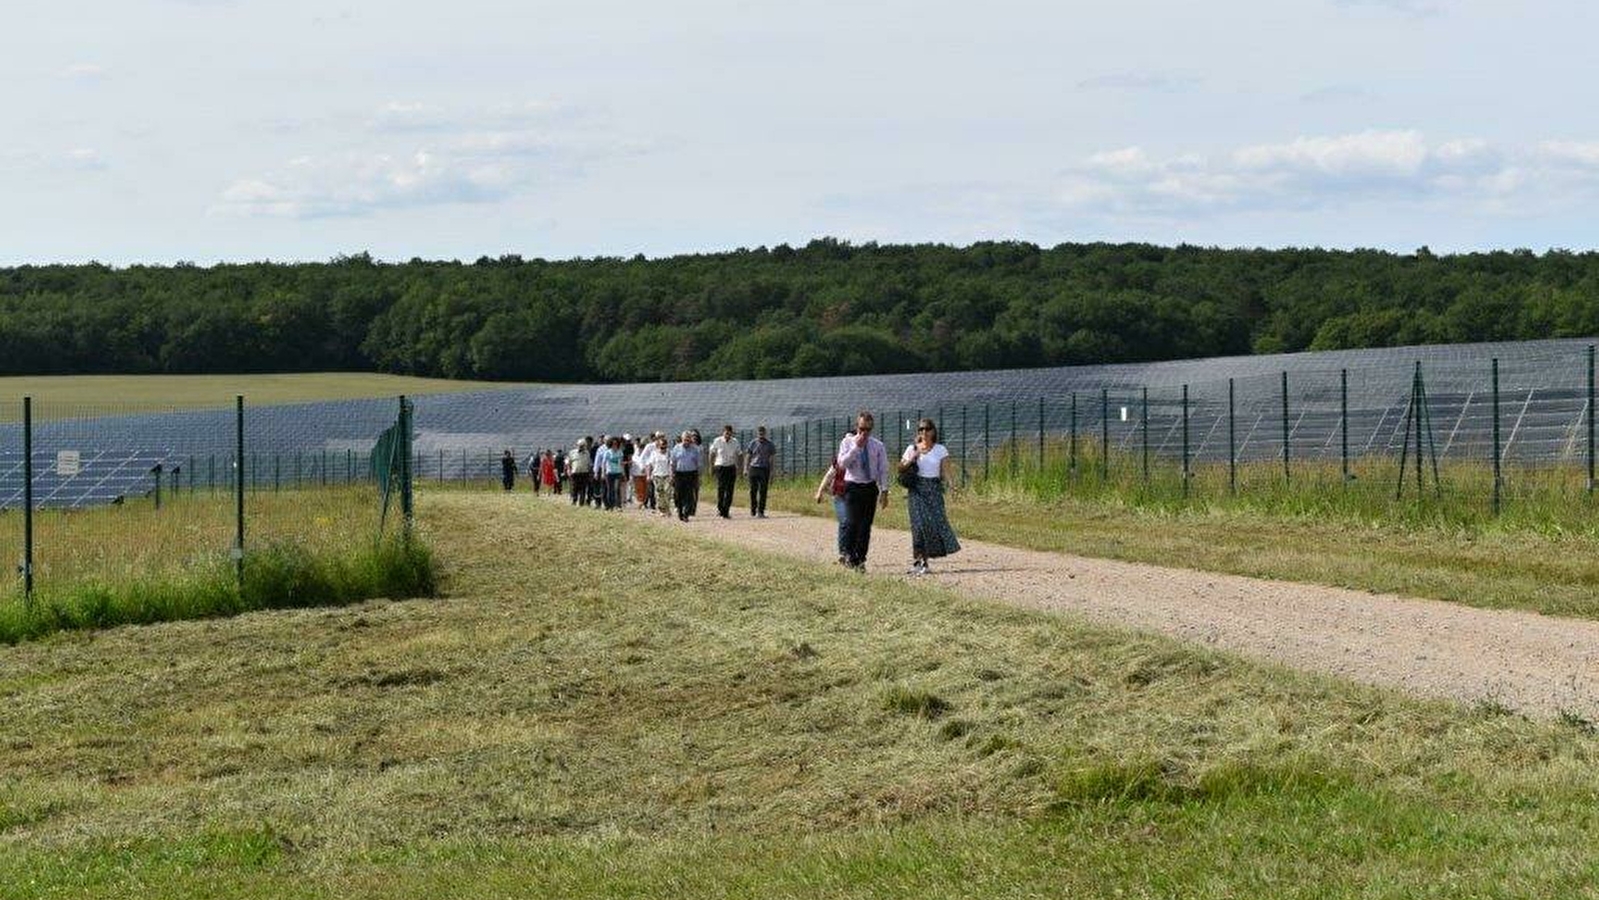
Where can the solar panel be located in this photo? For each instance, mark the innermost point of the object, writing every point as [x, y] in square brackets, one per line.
[1543, 407]
[100, 476]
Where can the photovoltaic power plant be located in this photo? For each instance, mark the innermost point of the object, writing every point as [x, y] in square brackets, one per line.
[1312, 403]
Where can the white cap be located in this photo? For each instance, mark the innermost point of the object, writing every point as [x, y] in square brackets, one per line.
[627, 437]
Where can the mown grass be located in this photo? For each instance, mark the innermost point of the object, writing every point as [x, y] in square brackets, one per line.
[1541, 553]
[607, 708]
[62, 395]
[135, 564]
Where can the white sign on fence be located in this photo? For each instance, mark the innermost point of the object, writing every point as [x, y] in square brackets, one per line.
[68, 463]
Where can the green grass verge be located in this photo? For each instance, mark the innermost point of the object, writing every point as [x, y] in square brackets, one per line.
[281, 576]
[1548, 564]
[603, 709]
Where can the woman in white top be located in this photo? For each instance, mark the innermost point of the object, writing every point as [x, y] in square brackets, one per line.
[931, 535]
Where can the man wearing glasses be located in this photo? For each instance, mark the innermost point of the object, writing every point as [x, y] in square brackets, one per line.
[864, 460]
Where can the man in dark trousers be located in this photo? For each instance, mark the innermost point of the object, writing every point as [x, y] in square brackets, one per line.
[508, 470]
[759, 462]
[725, 453]
[685, 474]
[864, 460]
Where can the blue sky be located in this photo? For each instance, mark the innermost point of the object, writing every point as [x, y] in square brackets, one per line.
[164, 130]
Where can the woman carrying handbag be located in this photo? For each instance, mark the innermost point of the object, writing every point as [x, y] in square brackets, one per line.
[924, 471]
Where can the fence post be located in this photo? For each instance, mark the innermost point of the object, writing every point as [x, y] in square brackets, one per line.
[1343, 420]
[407, 509]
[966, 444]
[1287, 468]
[211, 474]
[1040, 435]
[27, 500]
[238, 488]
[1104, 435]
[1185, 442]
[156, 471]
[987, 438]
[1590, 419]
[1015, 451]
[323, 466]
[1071, 462]
[1497, 473]
[1143, 423]
[1232, 442]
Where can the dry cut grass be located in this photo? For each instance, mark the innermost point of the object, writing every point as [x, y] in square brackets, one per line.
[603, 709]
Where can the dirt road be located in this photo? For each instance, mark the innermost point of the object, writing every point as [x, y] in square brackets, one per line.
[1537, 664]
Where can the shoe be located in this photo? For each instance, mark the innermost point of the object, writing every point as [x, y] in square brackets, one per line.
[843, 560]
[918, 567]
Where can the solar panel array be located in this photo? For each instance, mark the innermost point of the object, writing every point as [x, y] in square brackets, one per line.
[101, 476]
[1544, 412]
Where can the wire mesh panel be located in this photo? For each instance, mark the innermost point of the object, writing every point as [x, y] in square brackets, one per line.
[116, 495]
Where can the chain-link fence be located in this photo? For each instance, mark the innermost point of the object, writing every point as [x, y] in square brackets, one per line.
[112, 497]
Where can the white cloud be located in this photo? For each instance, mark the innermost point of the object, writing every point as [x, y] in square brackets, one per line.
[1418, 8]
[1138, 81]
[84, 71]
[1399, 166]
[481, 157]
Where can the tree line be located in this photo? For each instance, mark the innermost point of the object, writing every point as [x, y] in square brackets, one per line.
[827, 308]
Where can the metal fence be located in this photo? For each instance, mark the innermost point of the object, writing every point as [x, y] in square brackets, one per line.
[90, 495]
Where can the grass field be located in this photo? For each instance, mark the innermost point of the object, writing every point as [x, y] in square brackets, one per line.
[1541, 553]
[141, 393]
[136, 563]
[604, 710]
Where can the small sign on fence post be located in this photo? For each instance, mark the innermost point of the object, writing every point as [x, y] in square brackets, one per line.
[68, 463]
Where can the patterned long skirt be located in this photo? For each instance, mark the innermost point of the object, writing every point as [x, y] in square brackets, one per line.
[931, 536]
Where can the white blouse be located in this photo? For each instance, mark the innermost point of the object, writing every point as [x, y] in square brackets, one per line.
[929, 463]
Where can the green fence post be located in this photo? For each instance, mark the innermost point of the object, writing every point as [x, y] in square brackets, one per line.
[1287, 471]
[1040, 435]
[407, 508]
[1186, 474]
[1497, 472]
[27, 500]
[987, 439]
[1015, 451]
[1232, 442]
[1104, 435]
[966, 444]
[1143, 419]
[1343, 420]
[211, 474]
[1071, 449]
[1590, 419]
[238, 488]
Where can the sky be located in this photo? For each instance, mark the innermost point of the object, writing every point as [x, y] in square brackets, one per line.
[156, 131]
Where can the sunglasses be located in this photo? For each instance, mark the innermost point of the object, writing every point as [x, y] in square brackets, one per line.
[923, 428]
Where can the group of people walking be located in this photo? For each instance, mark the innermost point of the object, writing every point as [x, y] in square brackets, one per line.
[665, 475]
[659, 474]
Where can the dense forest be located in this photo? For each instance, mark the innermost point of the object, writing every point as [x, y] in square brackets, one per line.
[828, 308]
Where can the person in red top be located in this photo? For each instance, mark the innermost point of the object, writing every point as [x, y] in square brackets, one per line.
[547, 470]
[833, 483]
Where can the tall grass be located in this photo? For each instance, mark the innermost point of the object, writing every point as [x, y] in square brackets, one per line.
[1547, 499]
[281, 576]
[137, 564]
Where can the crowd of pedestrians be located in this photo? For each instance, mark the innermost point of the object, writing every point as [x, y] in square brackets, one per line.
[663, 474]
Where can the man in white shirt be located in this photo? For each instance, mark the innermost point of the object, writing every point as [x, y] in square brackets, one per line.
[864, 460]
[725, 455]
[580, 467]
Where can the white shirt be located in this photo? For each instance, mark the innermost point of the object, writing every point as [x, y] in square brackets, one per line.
[660, 462]
[724, 451]
[928, 464]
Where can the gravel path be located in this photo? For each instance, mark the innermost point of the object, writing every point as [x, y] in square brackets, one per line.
[1537, 664]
